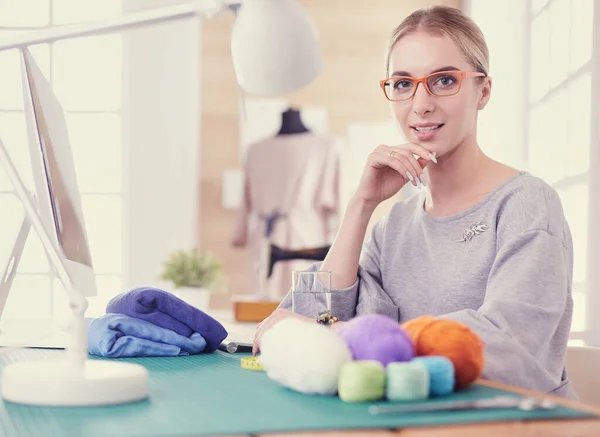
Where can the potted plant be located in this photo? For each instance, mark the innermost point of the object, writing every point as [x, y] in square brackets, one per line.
[194, 275]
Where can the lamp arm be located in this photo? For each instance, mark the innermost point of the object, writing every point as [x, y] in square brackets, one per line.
[206, 8]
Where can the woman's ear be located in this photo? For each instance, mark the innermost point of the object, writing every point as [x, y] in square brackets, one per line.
[486, 92]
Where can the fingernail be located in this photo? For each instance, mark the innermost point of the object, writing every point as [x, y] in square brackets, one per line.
[410, 177]
[433, 158]
[422, 179]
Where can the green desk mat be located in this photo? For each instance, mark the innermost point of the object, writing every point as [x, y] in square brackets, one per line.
[211, 395]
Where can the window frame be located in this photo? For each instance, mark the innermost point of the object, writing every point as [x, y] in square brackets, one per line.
[54, 293]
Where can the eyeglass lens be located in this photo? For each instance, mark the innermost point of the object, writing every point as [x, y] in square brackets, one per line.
[441, 84]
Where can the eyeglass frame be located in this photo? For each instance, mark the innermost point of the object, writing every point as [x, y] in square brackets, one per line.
[417, 80]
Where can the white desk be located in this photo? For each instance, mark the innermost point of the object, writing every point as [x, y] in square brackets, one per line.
[44, 333]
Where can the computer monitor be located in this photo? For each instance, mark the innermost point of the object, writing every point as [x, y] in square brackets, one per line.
[57, 193]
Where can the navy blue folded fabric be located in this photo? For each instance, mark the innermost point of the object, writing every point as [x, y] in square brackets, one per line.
[119, 336]
[168, 311]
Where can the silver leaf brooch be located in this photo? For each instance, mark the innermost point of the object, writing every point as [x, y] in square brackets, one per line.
[471, 231]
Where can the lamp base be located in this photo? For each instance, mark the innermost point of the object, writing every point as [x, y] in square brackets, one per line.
[53, 383]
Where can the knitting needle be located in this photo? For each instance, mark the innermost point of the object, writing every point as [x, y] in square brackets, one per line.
[529, 403]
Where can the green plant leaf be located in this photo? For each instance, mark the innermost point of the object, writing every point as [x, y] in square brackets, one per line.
[191, 268]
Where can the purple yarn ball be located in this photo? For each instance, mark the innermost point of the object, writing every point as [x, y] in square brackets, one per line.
[377, 337]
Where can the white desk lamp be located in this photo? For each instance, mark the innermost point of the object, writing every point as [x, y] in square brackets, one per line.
[279, 55]
[275, 51]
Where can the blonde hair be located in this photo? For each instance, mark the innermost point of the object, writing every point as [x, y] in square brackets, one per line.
[446, 21]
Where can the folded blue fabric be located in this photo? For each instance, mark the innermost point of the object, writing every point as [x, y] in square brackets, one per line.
[168, 311]
[119, 336]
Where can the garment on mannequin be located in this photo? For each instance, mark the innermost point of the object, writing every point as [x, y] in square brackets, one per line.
[290, 197]
[291, 123]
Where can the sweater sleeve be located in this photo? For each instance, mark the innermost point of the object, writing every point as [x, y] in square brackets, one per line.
[366, 295]
[527, 297]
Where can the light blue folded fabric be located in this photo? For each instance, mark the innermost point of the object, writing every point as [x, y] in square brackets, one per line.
[168, 311]
[119, 336]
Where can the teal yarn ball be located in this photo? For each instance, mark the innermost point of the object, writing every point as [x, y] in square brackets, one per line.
[407, 381]
[441, 374]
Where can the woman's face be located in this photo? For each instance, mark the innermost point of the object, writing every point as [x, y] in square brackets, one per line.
[439, 124]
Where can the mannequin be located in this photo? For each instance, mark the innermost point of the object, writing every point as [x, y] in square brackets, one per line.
[291, 123]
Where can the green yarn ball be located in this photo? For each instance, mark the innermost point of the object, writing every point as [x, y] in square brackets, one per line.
[362, 381]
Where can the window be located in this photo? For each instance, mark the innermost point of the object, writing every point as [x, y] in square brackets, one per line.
[559, 117]
[86, 74]
[546, 102]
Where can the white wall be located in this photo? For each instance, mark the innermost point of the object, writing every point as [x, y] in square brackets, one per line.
[502, 124]
[161, 143]
[592, 290]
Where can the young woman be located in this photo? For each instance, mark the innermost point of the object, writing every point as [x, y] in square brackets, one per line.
[483, 244]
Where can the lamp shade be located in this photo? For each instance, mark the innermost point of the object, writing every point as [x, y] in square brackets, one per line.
[274, 46]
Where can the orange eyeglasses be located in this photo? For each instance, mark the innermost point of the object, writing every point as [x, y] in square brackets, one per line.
[441, 84]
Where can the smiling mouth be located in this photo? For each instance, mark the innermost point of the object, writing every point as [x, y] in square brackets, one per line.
[427, 129]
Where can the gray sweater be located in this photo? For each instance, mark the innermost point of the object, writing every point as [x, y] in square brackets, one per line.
[503, 267]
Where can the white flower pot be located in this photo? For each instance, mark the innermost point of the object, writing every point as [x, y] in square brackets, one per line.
[197, 297]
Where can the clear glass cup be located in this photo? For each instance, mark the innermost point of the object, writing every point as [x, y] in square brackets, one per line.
[311, 293]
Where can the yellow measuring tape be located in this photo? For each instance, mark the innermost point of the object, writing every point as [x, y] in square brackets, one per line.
[251, 363]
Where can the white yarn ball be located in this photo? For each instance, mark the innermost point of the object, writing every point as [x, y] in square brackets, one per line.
[304, 357]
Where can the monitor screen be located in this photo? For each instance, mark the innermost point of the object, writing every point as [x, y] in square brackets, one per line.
[69, 228]
[61, 182]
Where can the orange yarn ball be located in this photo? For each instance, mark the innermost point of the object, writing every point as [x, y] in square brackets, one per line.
[452, 340]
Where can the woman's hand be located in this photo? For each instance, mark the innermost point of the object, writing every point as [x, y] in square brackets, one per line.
[389, 168]
[268, 323]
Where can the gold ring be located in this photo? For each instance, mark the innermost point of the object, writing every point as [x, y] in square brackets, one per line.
[392, 153]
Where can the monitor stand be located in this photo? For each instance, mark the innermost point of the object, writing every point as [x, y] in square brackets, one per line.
[34, 333]
[13, 263]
